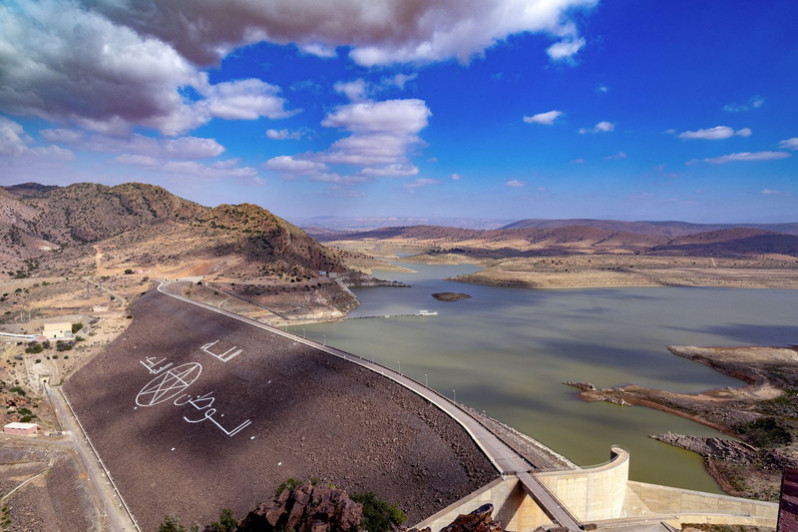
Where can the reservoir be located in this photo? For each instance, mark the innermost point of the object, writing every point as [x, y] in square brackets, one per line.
[507, 351]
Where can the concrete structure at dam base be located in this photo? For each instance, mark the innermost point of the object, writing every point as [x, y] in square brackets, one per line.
[603, 497]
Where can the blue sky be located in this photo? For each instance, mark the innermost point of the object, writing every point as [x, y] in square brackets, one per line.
[633, 110]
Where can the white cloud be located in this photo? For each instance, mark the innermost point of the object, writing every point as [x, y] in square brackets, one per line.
[399, 80]
[381, 132]
[177, 148]
[789, 144]
[109, 76]
[220, 169]
[601, 127]
[355, 90]
[283, 134]
[390, 31]
[546, 118]
[601, 88]
[619, 155]
[287, 164]
[137, 160]
[391, 170]
[715, 133]
[246, 99]
[565, 49]
[456, 177]
[754, 103]
[17, 145]
[515, 183]
[578, 160]
[748, 156]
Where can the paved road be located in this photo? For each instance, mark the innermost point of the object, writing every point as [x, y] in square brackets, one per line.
[117, 519]
[502, 456]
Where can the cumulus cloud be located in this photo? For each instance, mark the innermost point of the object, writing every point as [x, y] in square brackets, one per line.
[748, 156]
[391, 170]
[754, 103]
[216, 170]
[393, 31]
[601, 127]
[110, 76]
[565, 49]
[715, 133]
[515, 183]
[381, 137]
[176, 148]
[355, 90]
[290, 165]
[456, 177]
[16, 144]
[619, 155]
[546, 118]
[381, 132]
[789, 144]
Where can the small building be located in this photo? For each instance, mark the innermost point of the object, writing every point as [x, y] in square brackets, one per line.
[58, 331]
[99, 308]
[21, 429]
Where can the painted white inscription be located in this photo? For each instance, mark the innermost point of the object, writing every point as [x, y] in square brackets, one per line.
[172, 383]
[168, 384]
[204, 402]
[224, 357]
[156, 365]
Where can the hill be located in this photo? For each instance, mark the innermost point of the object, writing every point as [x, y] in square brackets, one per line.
[671, 229]
[42, 222]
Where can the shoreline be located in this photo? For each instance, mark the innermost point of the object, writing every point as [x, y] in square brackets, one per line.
[758, 414]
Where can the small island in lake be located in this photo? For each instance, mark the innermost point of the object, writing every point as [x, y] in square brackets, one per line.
[450, 296]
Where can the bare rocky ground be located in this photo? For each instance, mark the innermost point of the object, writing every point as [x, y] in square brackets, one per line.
[311, 416]
[762, 413]
[56, 500]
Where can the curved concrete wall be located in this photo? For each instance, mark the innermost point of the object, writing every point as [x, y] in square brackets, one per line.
[592, 494]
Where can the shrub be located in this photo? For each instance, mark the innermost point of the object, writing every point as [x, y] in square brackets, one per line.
[34, 347]
[766, 432]
[128, 271]
[378, 515]
[17, 390]
[227, 523]
[76, 327]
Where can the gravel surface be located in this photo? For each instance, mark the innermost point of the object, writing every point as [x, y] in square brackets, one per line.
[56, 501]
[312, 415]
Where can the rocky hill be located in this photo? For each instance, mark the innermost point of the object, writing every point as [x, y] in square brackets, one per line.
[58, 227]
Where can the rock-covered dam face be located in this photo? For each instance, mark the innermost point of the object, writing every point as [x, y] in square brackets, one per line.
[193, 411]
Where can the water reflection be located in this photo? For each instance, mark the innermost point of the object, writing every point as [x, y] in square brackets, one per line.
[507, 351]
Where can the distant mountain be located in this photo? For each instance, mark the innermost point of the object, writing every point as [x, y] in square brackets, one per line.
[566, 237]
[150, 225]
[671, 229]
[343, 224]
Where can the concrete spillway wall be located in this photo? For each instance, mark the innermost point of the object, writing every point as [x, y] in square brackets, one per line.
[592, 494]
[699, 507]
[603, 495]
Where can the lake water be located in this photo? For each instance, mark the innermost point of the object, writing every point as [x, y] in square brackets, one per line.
[506, 351]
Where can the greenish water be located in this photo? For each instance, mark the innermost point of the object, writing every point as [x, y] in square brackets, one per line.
[507, 351]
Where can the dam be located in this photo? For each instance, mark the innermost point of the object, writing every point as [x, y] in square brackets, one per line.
[550, 492]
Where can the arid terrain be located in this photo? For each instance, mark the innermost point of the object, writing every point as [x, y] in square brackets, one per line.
[301, 414]
[590, 254]
[762, 413]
